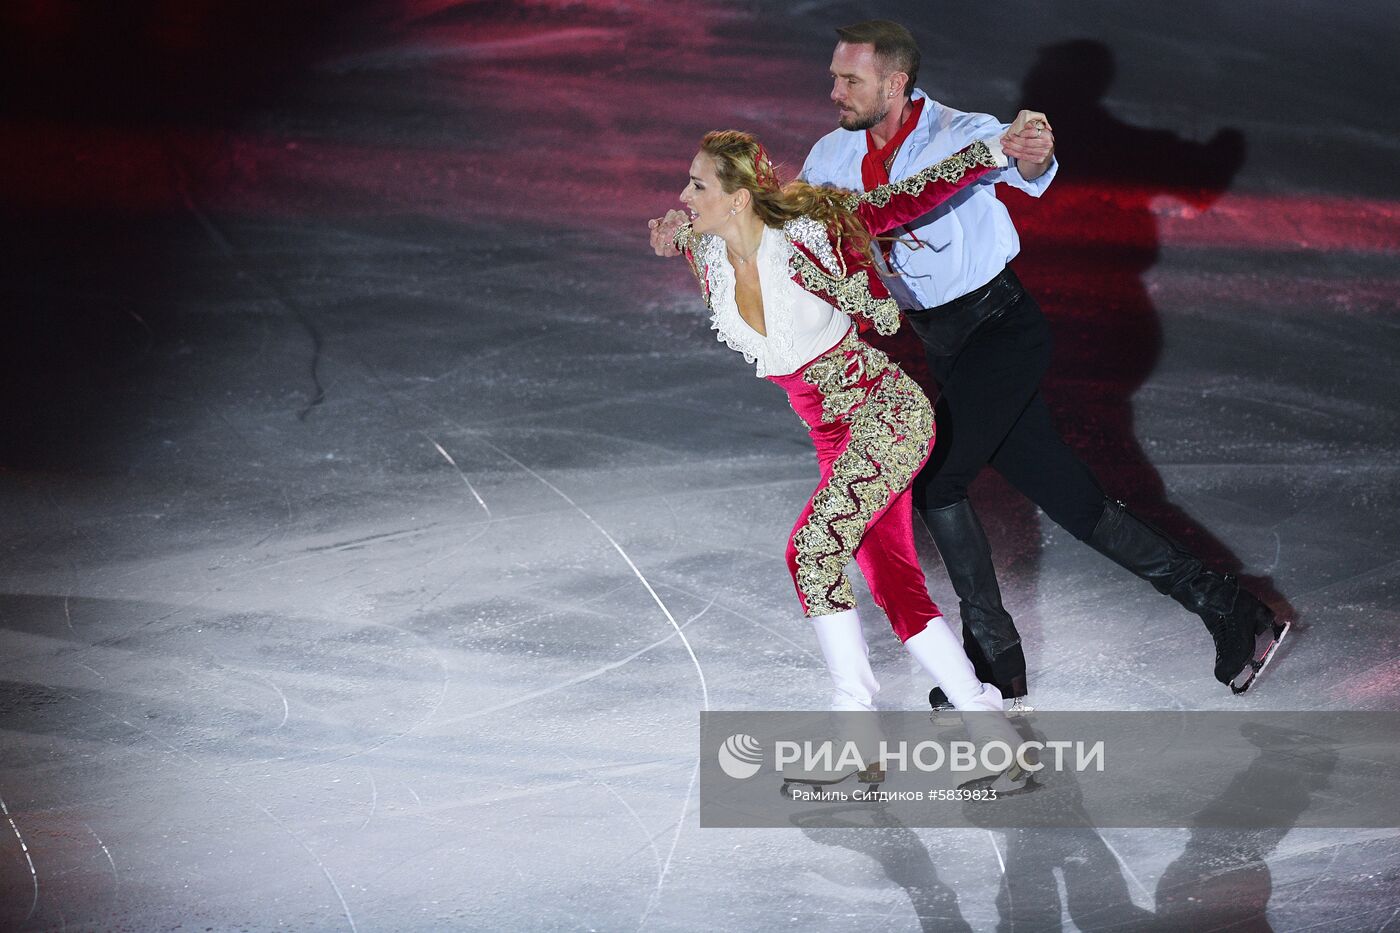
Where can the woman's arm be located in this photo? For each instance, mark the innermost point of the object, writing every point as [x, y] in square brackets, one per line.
[686, 241]
[702, 251]
[895, 204]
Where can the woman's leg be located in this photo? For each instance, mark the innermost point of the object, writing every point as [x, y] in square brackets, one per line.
[890, 565]
[885, 435]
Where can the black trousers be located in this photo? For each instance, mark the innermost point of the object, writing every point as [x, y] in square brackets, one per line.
[991, 412]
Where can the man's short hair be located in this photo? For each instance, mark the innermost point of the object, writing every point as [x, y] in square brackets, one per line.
[894, 46]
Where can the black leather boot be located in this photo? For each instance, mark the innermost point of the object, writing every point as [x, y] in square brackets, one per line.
[1233, 615]
[989, 636]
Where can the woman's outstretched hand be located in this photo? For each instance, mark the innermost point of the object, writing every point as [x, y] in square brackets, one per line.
[663, 232]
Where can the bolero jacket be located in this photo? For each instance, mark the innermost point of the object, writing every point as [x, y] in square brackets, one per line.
[831, 268]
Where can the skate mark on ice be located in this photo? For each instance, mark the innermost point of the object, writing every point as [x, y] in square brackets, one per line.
[230, 252]
[1160, 688]
[694, 660]
[354, 544]
[470, 488]
[286, 708]
[527, 792]
[100, 675]
[24, 848]
[690, 650]
[116, 880]
[114, 641]
[1380, 572]
[1010, 899]
[291, 515]
[437, 705]
[373, 800]
[538, 616]
[1149, 898]
[1001, 862]
[671, 853]
[1334, 923]
[345, 907]
[196, 765]
[511, 348]
[646, 833]
[802, 649]
[574, 681]
[1319, 876]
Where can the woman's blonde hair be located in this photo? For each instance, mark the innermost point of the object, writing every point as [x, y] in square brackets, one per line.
[742, 162]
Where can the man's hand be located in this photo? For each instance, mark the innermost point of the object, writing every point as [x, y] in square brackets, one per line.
[1031, 142]
[663, 232]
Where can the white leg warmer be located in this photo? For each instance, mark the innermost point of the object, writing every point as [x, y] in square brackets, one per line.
[848, 659]
[937, 650]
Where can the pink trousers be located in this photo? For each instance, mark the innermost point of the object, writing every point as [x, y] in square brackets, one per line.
[873, 428]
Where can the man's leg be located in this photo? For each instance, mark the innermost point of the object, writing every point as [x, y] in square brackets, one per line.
[1036, 460]
[986, 387]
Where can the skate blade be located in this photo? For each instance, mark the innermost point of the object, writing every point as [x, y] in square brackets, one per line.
[1008, 783]
[1266, 645]
[871, 779]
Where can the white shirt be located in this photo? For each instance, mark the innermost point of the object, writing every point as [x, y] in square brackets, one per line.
[801, 326]
[968, 239]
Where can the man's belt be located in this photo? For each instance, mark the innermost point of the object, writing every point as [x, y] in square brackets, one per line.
[947, 327]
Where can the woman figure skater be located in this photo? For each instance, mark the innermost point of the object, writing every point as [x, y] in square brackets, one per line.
[785, 270]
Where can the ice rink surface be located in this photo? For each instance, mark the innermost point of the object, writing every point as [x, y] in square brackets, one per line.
[379, 514]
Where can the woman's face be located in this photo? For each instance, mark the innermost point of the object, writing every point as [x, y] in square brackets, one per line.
[707, 202]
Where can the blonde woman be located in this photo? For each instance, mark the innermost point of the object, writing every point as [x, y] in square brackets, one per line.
[788, 274]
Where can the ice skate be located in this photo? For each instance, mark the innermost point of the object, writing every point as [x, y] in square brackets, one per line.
[1269, 633]
[1014, 780]
[1246, 634]
[795, 778]
[938, 702]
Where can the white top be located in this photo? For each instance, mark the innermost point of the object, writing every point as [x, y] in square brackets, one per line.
[966, 240]
[801, 326]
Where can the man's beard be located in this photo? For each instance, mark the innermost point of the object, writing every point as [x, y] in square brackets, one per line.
[859, 122]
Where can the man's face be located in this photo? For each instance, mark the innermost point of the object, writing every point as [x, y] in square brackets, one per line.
[858, 89]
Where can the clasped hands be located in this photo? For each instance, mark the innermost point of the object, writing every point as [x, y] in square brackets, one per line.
[1029, 138]
[663, 232]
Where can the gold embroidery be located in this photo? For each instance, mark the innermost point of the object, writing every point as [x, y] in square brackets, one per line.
[812, 234]
[951, 169]
[701, 250]
[891, 424]
[852, 292]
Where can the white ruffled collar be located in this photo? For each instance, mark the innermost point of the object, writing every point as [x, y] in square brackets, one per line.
[772, 257]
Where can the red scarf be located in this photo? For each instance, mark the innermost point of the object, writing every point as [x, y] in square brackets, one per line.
[875, 167]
